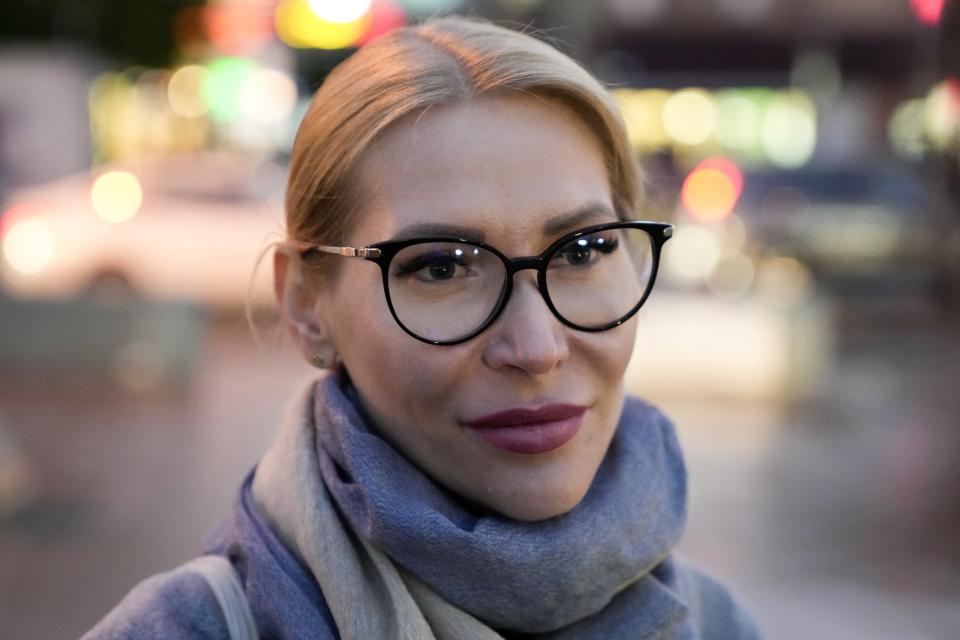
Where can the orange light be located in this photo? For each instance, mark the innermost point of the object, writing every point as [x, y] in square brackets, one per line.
[728, 167]
[712, 189]
[237, 29]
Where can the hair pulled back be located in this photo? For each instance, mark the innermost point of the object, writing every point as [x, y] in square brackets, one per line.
[443, 61]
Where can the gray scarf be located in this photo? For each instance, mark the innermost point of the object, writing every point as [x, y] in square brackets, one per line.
[398, 556]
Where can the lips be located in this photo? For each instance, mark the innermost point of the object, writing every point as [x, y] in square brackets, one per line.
[530, 431]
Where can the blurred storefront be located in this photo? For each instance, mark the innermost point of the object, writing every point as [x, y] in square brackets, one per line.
[804, 150]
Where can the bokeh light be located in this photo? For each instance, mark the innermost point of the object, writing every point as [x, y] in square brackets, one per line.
[790, 130]
[906, 129]
[268, 96]
[340, 11]
[185, 91]
[941, 113]
[116, 196]
[298, 25]
[738, 121]
[28, 240]
[148, 112]
[238, 28]
[642, 112]
[153, 115]
[223, 90]
[385, 16]
[113, 116]
[690, 116]
[928, 12]
[694, 253]
[711, 190]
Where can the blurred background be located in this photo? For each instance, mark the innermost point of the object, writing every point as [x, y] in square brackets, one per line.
[804, 334]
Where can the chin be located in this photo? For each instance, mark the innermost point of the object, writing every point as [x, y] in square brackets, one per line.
[537, 506]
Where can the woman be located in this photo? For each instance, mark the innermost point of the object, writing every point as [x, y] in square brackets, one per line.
[462, 264]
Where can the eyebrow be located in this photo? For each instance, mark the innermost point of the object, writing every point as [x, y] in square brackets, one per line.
[552, 226]
[578, 216]
[424, 229]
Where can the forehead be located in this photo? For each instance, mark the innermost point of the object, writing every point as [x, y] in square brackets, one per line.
[505, 166]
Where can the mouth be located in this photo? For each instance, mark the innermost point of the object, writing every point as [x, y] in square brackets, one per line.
[530, 431]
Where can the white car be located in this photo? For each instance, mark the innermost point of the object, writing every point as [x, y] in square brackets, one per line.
[178, 228]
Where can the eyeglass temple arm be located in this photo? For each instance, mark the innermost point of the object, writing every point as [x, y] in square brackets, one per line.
[350, 252]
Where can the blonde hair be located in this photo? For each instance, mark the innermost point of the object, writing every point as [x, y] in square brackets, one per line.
[443, 61]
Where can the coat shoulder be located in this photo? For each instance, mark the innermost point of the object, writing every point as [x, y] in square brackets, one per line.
[176, 605]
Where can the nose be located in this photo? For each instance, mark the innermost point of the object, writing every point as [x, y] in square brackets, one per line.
[527, 336]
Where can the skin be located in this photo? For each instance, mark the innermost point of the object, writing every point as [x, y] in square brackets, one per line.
[505, 167]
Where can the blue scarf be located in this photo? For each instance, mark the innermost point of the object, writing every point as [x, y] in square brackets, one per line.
[338, 536]
[582, 574]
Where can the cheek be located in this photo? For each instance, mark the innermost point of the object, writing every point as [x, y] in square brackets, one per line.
[607, 353]
[404, 381]
[605, 358]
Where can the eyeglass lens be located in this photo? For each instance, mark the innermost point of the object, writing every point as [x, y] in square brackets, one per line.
[443, 291]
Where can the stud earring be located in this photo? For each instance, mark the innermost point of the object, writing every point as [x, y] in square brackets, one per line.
[322, 362]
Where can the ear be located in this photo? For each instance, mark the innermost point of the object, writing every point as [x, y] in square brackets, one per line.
[298, 309]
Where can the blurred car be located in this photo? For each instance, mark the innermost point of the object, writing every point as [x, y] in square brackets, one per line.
[186, 228]
[859, 228]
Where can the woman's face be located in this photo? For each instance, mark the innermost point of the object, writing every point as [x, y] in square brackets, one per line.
[517, 173]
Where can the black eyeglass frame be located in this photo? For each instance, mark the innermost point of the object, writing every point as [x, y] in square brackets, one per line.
[382, 253]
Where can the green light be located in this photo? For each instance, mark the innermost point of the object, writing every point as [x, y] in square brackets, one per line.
[223, 87]
[789, 134]
[739, 121]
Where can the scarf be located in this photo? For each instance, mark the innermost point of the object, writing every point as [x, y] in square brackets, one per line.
[397, 556]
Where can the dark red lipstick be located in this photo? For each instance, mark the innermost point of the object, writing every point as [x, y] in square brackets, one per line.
[530, 431]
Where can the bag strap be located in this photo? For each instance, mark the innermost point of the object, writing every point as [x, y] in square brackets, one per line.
[226, 587]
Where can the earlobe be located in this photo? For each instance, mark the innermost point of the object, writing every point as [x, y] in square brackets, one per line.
[297, 305]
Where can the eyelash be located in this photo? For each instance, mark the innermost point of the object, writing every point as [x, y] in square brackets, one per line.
[425, 261]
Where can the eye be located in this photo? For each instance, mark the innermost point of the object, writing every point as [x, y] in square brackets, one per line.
[578, 253]
[587, 250]
[436, 266]
[441, 268]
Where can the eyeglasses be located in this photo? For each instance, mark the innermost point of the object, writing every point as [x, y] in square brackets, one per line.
[445, 291]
